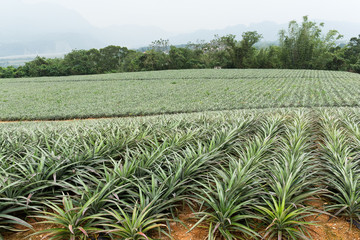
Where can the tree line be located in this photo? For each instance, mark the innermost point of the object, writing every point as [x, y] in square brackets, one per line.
[301, 46]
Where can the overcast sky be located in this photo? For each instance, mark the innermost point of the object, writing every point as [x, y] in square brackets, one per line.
[189, 15]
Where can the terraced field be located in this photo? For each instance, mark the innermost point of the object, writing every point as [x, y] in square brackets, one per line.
[277, 172]
[128, 94]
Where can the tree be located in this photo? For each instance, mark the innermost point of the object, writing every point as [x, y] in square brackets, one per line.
[230, 53]
[178, 57]
[303, 46]
[352, 54]
[82, 62]
[8, 72]
[111, 58]
[57, 67]
[132, 62]
[269, 57]
[161, 45]
[247, 50]
[36, 67]
[352, 50]
[153, 60]
[184, 58]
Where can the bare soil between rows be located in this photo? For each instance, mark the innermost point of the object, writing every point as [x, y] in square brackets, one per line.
[325, 228]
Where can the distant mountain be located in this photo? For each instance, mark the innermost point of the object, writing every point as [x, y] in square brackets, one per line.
[347, 29]
[269, 30]
[43, 28]
[46, 28]
[19, 20]
[131, 35]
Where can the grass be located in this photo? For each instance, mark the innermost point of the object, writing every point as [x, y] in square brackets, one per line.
[147, 93]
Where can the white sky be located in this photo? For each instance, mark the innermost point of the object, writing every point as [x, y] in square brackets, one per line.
[189, 15]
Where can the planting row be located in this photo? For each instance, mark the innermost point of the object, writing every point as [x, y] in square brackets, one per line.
[149, 93]
[246, 174]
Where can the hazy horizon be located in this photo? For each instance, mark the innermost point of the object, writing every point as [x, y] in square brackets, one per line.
[190, 15]
[32, 27]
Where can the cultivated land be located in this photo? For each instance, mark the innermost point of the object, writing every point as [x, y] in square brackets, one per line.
[246, 174]
[145, 93]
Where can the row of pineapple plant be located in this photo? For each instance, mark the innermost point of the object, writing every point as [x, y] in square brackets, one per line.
[245, 175]
[340, 156]
[186, 91]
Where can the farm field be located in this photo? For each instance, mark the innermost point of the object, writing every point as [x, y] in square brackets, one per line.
[176, 91]
[245, 174]
[245, 154]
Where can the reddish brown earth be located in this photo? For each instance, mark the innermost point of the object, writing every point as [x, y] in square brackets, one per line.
[331, 229]
[26, 233]
[325, 229]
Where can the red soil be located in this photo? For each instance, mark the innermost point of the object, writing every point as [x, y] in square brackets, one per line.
[331, 229]
[325, 229]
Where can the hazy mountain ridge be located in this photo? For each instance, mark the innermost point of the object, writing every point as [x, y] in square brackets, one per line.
[268, 29]
[42, 29]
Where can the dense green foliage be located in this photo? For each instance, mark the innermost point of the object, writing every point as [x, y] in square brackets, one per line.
[302, 46]
[246, 173]
[144, 93]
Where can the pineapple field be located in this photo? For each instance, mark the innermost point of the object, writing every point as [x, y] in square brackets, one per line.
[176, 91]
[265, 154]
